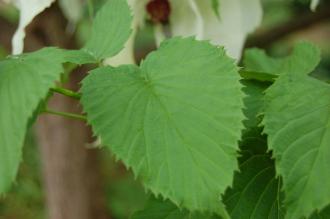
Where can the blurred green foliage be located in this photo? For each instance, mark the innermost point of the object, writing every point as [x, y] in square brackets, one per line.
[124, 194]
[26, 197]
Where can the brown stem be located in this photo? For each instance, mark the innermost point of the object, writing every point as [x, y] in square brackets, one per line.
[74, 185]
[299, 22]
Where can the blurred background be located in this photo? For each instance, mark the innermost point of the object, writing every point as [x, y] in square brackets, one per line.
[63, 175]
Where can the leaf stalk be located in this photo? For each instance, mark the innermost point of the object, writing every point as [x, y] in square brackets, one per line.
[66, 92]
[67, 115]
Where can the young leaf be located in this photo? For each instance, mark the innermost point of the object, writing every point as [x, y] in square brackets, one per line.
[304, 58]
[158, 209]
[24, 82]
[175, 121]
[111, 29]
[297, 121]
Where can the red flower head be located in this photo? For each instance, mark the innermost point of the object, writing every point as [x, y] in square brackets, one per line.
[159, 10]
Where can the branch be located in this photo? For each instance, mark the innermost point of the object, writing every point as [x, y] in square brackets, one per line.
[298, 22]
[65, 114]
[66, 92]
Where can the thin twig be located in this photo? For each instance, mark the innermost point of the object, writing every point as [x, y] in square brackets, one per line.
[65, 114]
[66, 92]
[298, 22]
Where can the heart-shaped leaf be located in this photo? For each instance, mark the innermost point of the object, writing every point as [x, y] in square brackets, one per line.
[176, 120]
[297, 121]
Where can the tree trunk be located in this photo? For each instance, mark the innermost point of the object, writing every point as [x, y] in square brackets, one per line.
[71, 173]
[70, 170]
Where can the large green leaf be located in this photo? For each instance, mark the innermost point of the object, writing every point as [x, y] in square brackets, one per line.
[175, 121]
[24, 81]
[111, 29]
[297, 121]
[304, 59]
[158, 209]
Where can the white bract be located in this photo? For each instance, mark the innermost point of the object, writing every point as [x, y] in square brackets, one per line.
[314, 4]
[28, 10]
[237, 19]
[197, 18]
[72, 9]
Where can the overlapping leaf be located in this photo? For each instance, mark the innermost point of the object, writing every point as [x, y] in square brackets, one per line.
[111, 29]
[253, 102]
[158, 209]
[175, 120]
[256, 191]
[297, 121]
[258, 76]
[304, 59]
[24, 81]
[324, 214]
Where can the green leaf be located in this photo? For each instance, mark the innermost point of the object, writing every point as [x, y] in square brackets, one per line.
[175, 121]
[77, 57]
[111, 29]
[258, 76]
[297, 121]
[256, 191]
[158, 209]
[24, 82]
[304, 58]
[324, 214]
[253, 102]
